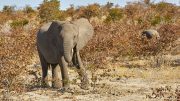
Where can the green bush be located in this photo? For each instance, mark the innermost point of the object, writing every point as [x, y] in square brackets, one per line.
[115, 14]
[156, 20]
[28, 9]
[167, 19]
[167, 11]
[162, 6]
[49, 10]
[8, 9]
[19, 23]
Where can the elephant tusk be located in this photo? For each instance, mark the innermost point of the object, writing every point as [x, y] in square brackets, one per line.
[72, 50]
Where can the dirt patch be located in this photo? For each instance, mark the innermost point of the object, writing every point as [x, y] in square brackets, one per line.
[113, 84]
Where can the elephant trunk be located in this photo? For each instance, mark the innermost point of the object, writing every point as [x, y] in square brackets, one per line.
[68, 45]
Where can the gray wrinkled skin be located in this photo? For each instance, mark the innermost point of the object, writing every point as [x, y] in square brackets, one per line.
[58, 43]
[150, 33]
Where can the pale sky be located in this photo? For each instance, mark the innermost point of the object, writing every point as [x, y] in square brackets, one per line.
[65, 3]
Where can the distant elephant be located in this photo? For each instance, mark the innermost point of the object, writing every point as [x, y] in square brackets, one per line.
[59, 43]
[150, 33]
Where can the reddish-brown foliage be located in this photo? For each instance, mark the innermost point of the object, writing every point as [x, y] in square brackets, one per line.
[16, 52]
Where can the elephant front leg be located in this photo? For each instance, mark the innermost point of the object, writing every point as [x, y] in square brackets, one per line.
[45, 80]
[45, 66]
[64, 72]
[56, 81]
[82, 73]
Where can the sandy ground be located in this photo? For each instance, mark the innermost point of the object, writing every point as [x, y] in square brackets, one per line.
[112, 84]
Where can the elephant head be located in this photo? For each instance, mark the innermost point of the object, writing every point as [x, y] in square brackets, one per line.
[76, 34]
[150, 33]
[70, 36]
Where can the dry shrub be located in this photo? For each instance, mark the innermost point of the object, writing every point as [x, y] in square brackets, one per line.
[169, 33]
[111, 40]
[16, 52]
[120, 39]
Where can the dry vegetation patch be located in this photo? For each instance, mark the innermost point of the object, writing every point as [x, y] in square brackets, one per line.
[16, 52]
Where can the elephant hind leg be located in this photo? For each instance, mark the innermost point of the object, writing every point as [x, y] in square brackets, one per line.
[56, 80]
[45, 67]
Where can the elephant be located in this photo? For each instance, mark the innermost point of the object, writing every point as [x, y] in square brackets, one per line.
[59, 43]
[150, 33]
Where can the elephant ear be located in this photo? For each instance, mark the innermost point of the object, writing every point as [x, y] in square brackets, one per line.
[85, 32]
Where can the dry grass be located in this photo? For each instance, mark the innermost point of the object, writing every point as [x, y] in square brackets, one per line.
[163, 73]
